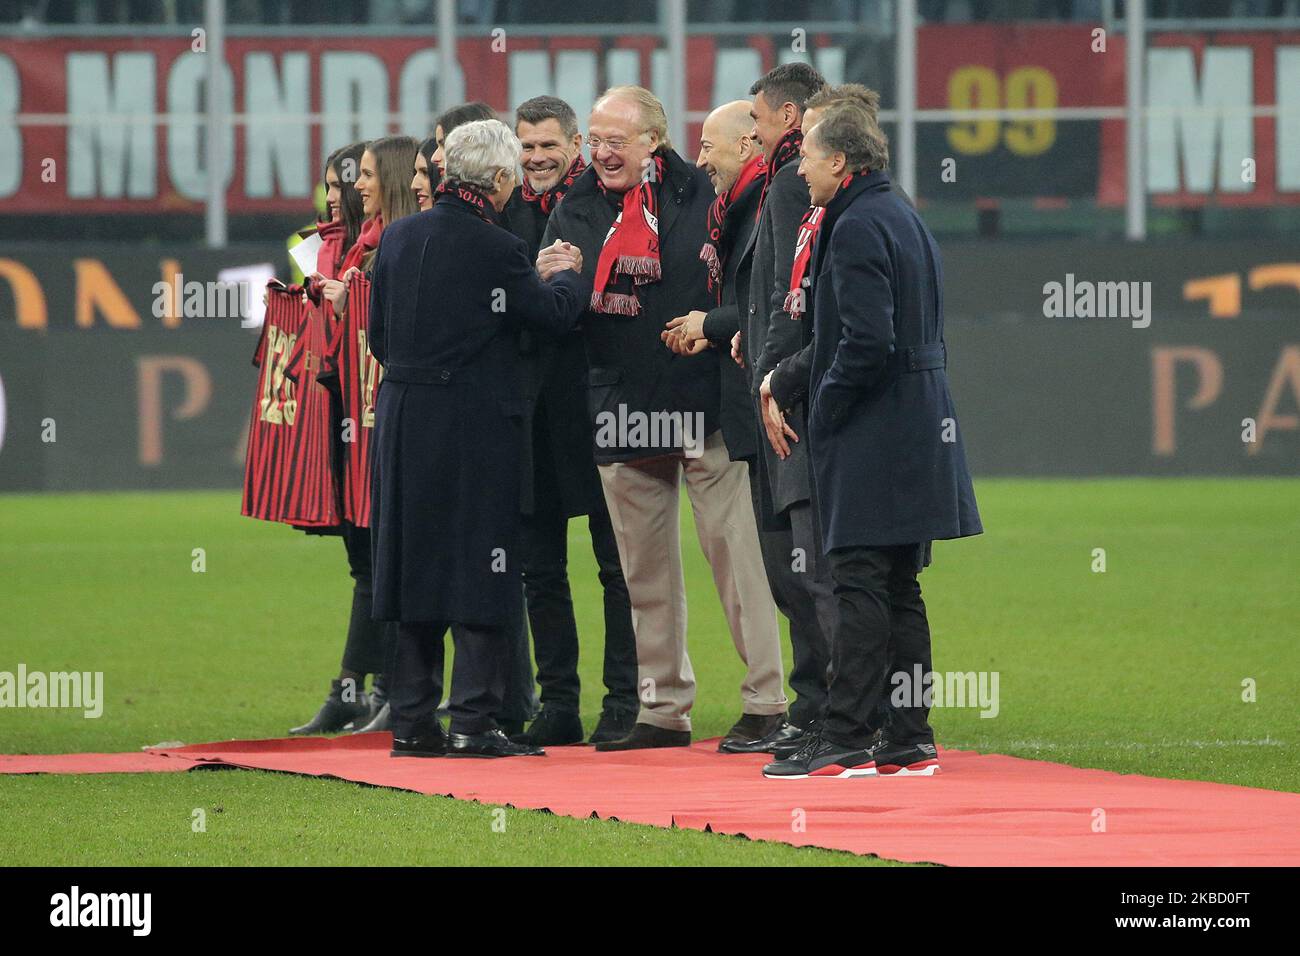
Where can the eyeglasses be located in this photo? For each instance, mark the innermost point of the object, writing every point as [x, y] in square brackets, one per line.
[613, 145]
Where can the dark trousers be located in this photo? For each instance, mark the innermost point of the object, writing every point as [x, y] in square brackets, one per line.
[369, 643]
[478, 676]
[520, 691]
[801, 587]
[881, 629]
[550, 605]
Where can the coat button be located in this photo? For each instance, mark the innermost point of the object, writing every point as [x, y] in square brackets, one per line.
[752, 308]
[444, 375]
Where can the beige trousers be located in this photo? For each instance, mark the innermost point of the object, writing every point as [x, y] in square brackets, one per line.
[643, 500]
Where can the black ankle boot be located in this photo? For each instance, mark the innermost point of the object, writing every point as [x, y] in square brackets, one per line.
[336, 713]
[382, 720]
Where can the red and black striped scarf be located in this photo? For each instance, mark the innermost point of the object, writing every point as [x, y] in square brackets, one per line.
[549, 199]
[796, 299]
[787, 148]
[715, 251]
[472, 197]
[630, 254]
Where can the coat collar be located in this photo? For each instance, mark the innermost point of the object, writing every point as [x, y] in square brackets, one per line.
[679, 184]
[787, 170]
[874, 181]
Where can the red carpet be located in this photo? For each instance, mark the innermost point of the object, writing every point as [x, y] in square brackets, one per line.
[986, 810]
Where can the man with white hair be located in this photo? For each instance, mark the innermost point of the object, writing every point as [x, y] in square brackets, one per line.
[451, 291]
[640, 217]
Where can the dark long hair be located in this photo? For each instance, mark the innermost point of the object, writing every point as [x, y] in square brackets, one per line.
[465, 113]
[345, 162]
[427, 149]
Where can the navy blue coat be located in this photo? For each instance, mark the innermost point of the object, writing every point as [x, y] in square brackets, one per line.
[450, 294]
[887, 454]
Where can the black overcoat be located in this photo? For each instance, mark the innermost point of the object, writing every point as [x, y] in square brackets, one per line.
[450, 293]
[631, 371]
[886, 450]
[738, 414]
[554, 376]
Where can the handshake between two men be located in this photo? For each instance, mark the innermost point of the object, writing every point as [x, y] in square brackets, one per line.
[557, 257]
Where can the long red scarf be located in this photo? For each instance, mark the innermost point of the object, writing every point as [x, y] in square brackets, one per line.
[796, 299]
[549, 199]
[714, 251]
[366, 242]
[787, 148]
[631, 249]
[449, 190]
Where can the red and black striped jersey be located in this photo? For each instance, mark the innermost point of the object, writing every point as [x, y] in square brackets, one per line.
[359, 374]
[287, 473]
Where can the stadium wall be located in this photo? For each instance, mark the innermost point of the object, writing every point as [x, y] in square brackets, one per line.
[108, 381]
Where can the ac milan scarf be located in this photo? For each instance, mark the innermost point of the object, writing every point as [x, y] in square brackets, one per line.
[795, 300]
[549, 199]
[366, 243]
[709, 252]
[803, 246]
[787, 148]
[630, 255]
[472, 197]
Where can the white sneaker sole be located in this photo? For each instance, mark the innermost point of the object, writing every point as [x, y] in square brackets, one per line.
[929, 769]
[847, 774]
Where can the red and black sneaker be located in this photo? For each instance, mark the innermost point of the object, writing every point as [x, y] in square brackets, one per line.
[821, 758]
[905, 760]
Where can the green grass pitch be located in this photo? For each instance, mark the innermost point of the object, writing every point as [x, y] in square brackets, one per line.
[1140, 669]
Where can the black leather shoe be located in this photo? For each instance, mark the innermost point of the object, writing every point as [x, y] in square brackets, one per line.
[552, 728]
[613, 725]
[753, 733]
[432, 744]
[780, 740]
[646, 736]
[791, 739]
[382, 720]
[491, 744]
[336, 713]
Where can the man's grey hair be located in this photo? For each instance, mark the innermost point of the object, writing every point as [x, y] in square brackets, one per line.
[476, 151]
[850, 127]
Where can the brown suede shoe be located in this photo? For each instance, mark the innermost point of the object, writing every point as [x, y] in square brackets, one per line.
[645, 736]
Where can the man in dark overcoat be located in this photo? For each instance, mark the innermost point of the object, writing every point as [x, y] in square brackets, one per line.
[886, 450]
[452, 288]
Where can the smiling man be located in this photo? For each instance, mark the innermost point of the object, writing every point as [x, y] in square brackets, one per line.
[560, 478]
[886, 450]
[640, 217]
